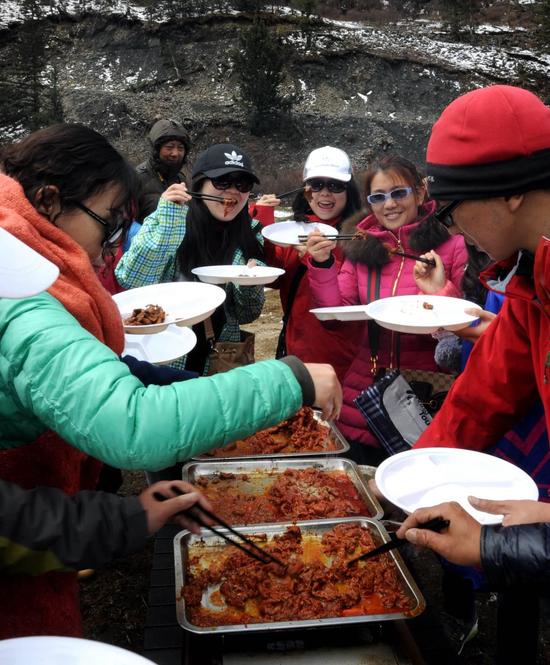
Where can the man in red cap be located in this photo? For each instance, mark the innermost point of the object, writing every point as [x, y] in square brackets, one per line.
[488, 165]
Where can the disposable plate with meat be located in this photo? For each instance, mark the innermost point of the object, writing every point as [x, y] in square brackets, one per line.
[221, 589]
[305, 434]
[281, 490]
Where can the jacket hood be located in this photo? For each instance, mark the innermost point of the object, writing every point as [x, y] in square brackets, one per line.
[421, 236]
[166, 130]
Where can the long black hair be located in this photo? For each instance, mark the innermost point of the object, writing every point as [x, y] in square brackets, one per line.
[209, 241]
[301, 207]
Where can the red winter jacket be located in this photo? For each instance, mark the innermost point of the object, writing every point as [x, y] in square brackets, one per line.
[509, 365]
[306, 337]
[348, 285]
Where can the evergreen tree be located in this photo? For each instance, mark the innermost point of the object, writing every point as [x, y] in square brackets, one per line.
[459, 15]
[543, 24]
[259, 66]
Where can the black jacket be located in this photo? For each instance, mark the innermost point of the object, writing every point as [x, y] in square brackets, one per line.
[43, 529]
[153, 184]
[516, 555]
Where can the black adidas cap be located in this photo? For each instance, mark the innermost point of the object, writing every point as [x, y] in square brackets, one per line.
[221, 159]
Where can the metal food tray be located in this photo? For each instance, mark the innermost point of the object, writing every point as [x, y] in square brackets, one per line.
[262, 471]
[185, 541]
[334, 435]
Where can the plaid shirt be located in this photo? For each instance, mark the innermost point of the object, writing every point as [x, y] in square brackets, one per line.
[151, 259]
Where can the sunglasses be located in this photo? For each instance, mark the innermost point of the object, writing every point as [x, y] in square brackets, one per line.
[112, 231]
[240, 183]
[395, 194]
[333, 186]
[445, 214]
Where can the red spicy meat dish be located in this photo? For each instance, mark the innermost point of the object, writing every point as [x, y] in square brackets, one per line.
[301, 433]
[294, 494]
[316, 583]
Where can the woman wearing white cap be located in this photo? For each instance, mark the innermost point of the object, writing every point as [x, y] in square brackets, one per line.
[65, 396]
[330, 196]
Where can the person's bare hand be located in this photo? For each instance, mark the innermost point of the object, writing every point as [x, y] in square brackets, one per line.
[473, 333]
[515, 512]
[177, 193]
[459, 543]
[160, 512]
[328, 391]
[319, 247]
[430, 279]
[268, 200]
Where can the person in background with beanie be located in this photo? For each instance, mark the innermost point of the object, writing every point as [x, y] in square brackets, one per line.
[170, 145]
[332, 197]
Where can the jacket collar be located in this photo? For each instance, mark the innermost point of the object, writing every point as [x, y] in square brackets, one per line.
[523, 276]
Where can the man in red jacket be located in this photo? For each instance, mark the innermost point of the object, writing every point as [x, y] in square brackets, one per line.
[488, 164]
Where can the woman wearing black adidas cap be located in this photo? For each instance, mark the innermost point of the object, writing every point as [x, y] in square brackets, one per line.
[184, 233]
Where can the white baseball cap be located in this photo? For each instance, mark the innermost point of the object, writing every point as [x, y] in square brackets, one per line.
[23, 272]
[328, 162]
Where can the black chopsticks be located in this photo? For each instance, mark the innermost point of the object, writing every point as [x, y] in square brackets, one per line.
[290, 193]
[209, 197]
[195, 514]
[435, 524]
[429, 262]
[342, 236]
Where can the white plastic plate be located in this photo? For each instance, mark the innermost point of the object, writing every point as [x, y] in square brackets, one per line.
[427, 476]
[407, 313]
[286, 234]
[238, 274]
[163, 348]
[46, 650]
[342, 313]
[185, 304]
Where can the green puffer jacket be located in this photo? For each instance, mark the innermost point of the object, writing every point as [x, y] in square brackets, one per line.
[55, 375]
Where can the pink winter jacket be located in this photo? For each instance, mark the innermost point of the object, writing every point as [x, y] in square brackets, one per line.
[331, 288]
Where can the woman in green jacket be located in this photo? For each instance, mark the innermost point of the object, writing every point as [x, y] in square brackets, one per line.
[64, 393]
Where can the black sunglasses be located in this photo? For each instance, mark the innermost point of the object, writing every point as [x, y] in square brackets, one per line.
[445, 214]
[396, 195]
[241, 183]
[111, 231]
[333, 186]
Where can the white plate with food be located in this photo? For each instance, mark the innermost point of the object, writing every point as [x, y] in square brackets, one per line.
[162, 348]
[342, 313]
[425, 477]
[421, 314]
[287, 234]
[182, 303]
[243, 275]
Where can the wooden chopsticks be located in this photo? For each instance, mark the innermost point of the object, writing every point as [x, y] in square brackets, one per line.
[435, 524]
[195, 514]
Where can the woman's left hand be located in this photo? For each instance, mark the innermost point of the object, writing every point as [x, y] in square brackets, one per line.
[430, 279]
[514, 511]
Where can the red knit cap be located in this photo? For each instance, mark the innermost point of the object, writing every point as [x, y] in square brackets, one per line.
[490, 142]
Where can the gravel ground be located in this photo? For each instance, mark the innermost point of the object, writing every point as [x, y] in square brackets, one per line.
[114, 601]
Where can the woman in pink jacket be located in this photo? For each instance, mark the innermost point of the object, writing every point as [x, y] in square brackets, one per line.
[401, 220]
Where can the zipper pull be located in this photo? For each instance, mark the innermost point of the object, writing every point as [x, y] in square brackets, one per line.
[546, 366]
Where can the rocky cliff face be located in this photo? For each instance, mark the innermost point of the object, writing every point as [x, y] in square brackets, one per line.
[363, 88]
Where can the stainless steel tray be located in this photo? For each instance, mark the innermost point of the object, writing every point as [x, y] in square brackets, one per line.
[334, 435]
[186, 542]
[262, 471]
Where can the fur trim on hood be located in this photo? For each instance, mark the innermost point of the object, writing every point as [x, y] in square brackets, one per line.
[419, 236]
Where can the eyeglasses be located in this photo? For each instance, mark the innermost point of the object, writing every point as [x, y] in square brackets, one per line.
[333, 186]
[445, 214]
[111, 231]
[395, 194]
[240, 183]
